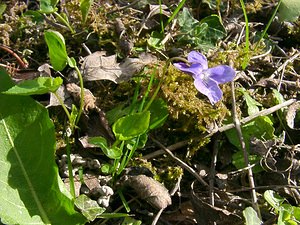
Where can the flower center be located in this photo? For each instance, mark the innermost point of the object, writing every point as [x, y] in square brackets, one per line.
[205, 77]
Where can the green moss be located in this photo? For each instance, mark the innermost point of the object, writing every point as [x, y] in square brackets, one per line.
[187, 106]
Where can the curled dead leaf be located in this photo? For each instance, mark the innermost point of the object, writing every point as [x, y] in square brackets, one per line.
[150, 190]
[291, 115]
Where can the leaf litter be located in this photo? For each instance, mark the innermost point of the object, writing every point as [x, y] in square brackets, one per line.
[127, 43]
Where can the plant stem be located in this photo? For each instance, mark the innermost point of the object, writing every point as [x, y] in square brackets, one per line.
[176, 11]
[81, 94]
[161, 20]
[238, 128]
[246, 58]
[147, 92]
[268, 25]
[70, 168]
[63, 106]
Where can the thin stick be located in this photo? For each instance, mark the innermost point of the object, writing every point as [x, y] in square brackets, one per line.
[212, 172]
[243, 145]
[284, 64]
[180, 162]
[154, 222]
[264, 112]
[19, 60]
[243, 121]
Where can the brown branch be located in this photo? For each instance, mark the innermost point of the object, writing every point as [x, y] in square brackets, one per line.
[19, 60]
[180, 162]
[246, 158]
[243, 121]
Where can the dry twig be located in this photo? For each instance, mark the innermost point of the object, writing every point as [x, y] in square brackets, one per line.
[226, 127]
[243, 145]
[180, 162]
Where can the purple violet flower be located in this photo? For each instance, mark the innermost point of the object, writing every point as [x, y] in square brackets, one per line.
[206, 80]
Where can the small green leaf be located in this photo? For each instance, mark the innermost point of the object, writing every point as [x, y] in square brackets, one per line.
[112, 153]
[289, 10]
[85, 6]
[71, 62]
[119, 111]
[142, 142]
[74, 114]
[38, 86]
[88, 207]
[251, 102]
[48, 6]
[131, 126]
[273, 199]
[251, 216]
[57, 49]
[106, 168]
[155, 40]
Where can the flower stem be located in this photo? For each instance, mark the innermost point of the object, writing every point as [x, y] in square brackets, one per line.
[81, 94]
[70, 168]
[246, 58]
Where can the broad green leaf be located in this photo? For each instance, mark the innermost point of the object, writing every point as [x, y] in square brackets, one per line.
[159, 113]
[273, 199]
[201, 35]
[114, 114]
[131, 126]
[48, 6]
[112, 153]
[251, 216]
[215, 30]
[38, 86]
[85, 6]
[261, 128]
[186, 21]
[88, 207]
[57, 49]
[289, 10]
[34, 192]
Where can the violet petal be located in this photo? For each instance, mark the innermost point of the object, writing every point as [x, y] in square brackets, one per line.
[221, 74]
[194, 69]
[210, 88]
[196, 57]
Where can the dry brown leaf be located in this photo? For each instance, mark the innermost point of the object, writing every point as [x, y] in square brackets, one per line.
[291, 115]
[150, 190]
[97, 66]
[63, 95]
